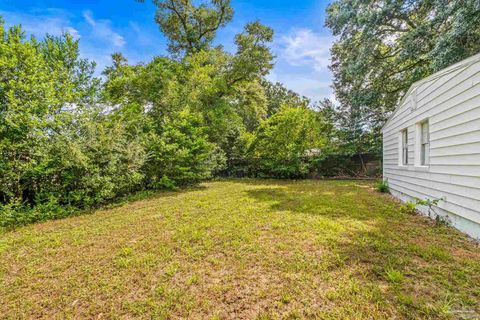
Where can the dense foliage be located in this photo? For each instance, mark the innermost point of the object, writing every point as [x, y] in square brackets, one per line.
[71, 141]
[285, 143]
[382, 47]
[59, 149]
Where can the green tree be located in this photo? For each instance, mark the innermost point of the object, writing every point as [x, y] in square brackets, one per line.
[191, 28]
[161, 103]
[59, 149]
[277, 96]
[40, 83]
[284, 142]
[253, 59]
[224, 88]
[179, 152]
[385, 46]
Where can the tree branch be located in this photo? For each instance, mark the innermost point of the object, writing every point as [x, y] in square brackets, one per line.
[183, 22]
[215, 28]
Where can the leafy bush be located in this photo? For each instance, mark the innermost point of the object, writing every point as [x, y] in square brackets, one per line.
[16, 214]
[382, 186]
[409, 207]
[103, 163]
[282, 142]
[179, 152]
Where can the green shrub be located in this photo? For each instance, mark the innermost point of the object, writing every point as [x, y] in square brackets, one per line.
[179, 152]
[409, 207]
[12, 214]
[15, 214]
[382, 186]
[166, 183]
[282, 142]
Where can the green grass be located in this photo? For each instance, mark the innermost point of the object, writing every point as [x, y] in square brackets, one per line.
[242, 249]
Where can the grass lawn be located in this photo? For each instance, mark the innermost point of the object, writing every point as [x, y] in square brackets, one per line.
[242, 249]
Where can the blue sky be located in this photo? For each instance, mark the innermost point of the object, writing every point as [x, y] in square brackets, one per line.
[301, 42]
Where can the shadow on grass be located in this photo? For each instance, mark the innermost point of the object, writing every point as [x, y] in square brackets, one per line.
[344, 200]
[423, 265]
[372, 227]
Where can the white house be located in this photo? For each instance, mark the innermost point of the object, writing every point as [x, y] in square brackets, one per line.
[431, 145]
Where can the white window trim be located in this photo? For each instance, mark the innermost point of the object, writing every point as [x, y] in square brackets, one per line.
[400, 149]
[418, 145]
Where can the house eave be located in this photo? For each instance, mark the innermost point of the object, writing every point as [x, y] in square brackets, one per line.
[459, 65]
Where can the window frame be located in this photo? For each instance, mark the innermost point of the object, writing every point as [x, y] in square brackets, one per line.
[425, 144]
[422, 144]
[403, 148]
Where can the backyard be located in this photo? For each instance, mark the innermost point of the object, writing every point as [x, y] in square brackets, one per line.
[242, 249]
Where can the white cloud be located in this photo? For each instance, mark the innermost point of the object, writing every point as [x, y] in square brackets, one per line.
[143, 36]
[41, 23]
[89, 18]
[306, 84]
[103, 29]
[303, 57]
[303, 47]
[73, 32]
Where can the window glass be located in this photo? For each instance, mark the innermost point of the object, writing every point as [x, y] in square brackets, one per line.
[405, 147]
[425, 144]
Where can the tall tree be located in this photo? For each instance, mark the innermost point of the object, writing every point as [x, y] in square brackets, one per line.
[253, 58]
[189, 27]
[277, 96]
[222, 86]
[385, 46]
[58, 151]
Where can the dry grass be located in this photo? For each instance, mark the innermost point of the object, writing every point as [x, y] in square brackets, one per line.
[242, 249]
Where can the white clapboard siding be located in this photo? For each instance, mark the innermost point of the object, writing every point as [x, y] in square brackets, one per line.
[450, 101]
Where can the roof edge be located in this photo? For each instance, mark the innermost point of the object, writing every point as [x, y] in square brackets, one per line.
[433, 76]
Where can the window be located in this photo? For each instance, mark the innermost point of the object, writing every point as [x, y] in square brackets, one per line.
[424, 144]
[404, 143]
